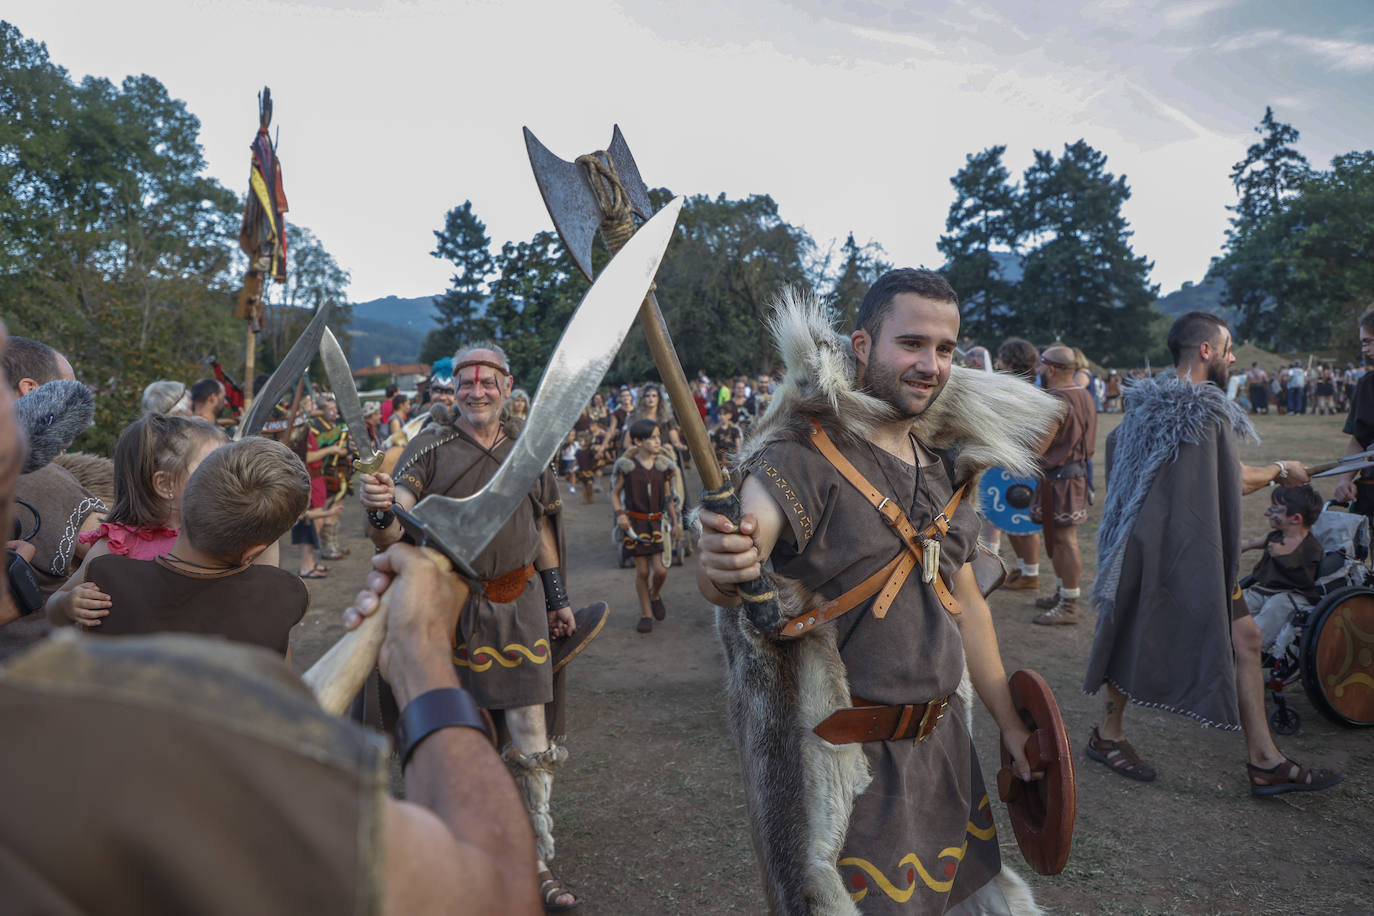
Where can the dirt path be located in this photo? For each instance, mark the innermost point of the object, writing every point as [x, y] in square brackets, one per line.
[650, 816]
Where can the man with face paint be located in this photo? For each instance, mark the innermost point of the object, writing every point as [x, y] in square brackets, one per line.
[511, 619]
[865, 435]
[1173, 631]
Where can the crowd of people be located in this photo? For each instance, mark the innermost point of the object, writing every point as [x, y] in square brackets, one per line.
[860, 543]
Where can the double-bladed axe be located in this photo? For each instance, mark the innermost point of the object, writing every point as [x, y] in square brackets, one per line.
[458, 530]
[603, 191]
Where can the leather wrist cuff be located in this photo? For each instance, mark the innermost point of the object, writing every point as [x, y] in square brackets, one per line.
[380, 519]
[555, 592]
[446, 707]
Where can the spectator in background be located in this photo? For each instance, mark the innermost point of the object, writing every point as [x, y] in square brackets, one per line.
[207, 399]
[1297, 388]
[1258, 380]
[168, 398]
[391, 391]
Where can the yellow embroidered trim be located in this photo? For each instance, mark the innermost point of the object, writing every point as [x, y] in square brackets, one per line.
[915, 868]
[481, 658]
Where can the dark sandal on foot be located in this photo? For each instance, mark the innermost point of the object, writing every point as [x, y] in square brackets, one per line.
[1294, 778]
[550, 889]
[659, 611]
[1120, 757]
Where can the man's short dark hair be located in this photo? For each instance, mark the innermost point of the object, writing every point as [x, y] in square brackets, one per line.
[642, 429]
[25, 358]
[1019, 357]
[1366, 322]
[1192, 329]
[204, 390]
[1302, 500]
[878, 300]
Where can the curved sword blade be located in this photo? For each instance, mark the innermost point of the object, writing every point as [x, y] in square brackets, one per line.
[297, 360]
[462, 528]
[346, 396]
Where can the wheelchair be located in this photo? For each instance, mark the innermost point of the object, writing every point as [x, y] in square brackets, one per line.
[1326, 644]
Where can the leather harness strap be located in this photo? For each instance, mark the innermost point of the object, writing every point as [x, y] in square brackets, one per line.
[869, 721]
[888, 581]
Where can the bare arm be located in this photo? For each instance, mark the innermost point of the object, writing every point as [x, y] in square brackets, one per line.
[730, 555]
[1345, 483]
[89, 523]
[985, 669]
[379, 492]
[1253, 478]
[462, 841]
[76, 601]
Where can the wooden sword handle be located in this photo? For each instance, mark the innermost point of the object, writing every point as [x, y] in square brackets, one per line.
[341, 672]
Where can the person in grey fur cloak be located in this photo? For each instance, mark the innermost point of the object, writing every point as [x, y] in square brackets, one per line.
[847, 817]
[1172, 630]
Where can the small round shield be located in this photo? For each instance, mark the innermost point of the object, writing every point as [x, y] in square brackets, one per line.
[1005, 500]
[1042, 810]
[590, 620]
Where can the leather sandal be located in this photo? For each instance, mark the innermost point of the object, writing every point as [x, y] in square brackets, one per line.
[1120, 757]
[550, 889]
[1289, 776]
[656, 606]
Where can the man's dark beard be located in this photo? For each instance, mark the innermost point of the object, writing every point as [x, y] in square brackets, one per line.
[1217, 374]
[886, 385]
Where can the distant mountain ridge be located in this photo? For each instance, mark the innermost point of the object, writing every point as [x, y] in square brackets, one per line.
[390, 329]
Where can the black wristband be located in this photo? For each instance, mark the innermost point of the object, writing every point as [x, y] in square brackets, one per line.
[380, 519]
[555, 592]
[445, 707]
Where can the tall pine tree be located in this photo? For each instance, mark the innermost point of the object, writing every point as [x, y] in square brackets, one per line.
[1082, 282]
[464, 243]
[980, 226]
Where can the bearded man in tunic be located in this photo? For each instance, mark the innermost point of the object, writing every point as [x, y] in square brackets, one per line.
[501, 648]
[1173, 631]
[896, 819]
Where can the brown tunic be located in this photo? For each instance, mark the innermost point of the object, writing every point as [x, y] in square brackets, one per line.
[646, 492]
[174, 774]
[253, 604]
[63, 505]
[1073, 442]
[921, 837]
[501, 648]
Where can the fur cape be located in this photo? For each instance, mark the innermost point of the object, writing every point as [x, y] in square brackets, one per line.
[801, 789]
[1180, 433]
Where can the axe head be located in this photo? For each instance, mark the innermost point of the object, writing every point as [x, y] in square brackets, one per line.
[568, 194]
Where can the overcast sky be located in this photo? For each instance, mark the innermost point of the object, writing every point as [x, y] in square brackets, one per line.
[852, 114]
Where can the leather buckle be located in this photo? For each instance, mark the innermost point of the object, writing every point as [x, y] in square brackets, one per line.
[936, 709]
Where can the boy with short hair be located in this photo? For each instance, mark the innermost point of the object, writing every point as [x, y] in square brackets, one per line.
[647, 498]
[238, 503]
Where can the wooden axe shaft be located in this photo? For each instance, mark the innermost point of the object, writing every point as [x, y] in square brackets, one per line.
[675, 381]
[341, 672]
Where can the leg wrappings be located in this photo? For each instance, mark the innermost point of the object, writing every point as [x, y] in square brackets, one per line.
[534, 777]
[329, 536]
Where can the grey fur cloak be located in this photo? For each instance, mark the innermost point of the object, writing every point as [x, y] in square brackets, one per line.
[1168, 551]
[801, 789]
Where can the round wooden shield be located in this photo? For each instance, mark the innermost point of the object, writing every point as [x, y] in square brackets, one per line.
[590, 620]
[1338, 657]
[1005, 500]
[1042, 810]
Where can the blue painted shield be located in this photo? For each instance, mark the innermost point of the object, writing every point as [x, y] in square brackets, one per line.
[1005, 501]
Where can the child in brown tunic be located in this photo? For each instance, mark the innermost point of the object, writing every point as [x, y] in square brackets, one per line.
[242, 498]
[646, 494]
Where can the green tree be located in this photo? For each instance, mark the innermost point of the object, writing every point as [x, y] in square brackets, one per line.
[464, 243]
[538, 290]
[862, 265]
[1082, 282]
[981, 223]
[115, 246]
[1272, 173]
[1314, 255]
[313, 277]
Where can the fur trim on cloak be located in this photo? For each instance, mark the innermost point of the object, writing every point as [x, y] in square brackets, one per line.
[801, 789]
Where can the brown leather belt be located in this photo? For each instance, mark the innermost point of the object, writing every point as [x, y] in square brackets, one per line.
[506, 587]
[869, 721]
